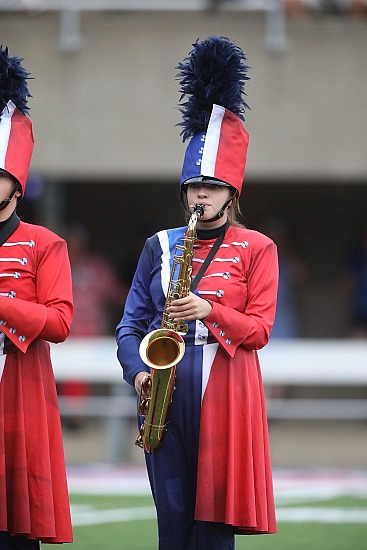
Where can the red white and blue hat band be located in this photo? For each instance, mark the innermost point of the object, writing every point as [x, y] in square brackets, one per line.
[16, 143]
[220, 152]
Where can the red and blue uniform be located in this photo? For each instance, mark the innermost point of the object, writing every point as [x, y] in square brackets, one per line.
[214, 458]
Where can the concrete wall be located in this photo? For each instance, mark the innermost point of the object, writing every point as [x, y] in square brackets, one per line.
[110, 108]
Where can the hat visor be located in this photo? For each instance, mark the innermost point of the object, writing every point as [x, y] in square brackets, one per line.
[206, 180]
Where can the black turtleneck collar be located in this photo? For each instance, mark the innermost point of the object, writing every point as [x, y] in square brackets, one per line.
[210, 234]
[8, 227]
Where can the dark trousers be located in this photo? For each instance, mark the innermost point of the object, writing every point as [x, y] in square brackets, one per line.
[172, 471]
[9, 542]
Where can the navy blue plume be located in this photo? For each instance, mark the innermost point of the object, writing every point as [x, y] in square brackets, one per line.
[13, 82]
[214, 72]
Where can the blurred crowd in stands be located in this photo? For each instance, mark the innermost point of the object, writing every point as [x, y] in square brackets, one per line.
[298, 8]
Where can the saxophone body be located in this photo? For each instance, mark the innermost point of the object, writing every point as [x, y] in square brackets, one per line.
[163, 348]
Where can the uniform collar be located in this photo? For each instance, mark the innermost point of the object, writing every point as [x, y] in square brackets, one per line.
[210, 234]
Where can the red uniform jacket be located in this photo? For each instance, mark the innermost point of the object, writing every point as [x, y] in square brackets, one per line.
[35, 307]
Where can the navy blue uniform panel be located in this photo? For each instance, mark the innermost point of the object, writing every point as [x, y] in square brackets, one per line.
[172, 468]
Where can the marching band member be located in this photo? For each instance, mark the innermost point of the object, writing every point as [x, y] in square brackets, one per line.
[35, 307]
[211, 476]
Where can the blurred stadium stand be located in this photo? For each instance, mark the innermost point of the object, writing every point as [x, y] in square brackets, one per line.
[70, 38]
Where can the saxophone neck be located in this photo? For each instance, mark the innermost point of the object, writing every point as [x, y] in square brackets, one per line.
[198, 211]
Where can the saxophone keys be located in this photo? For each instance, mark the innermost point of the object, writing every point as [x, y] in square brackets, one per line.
[146, 385]
[144, 406]
[139, 441]
[182, 327]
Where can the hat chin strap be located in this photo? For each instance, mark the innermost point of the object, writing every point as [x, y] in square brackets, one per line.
[4, 203]
[214, 218]
[220, 213]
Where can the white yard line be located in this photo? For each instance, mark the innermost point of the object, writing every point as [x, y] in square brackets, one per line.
[116, 515]
[93, 516]
[292, 488]
[322, 515]
[289, 485]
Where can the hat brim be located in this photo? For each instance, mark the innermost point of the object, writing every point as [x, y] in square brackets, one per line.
[206, 180]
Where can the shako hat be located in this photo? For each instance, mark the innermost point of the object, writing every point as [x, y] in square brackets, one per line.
[16, 136]
[212, 79]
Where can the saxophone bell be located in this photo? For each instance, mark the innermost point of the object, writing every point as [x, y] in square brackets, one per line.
[162, 348]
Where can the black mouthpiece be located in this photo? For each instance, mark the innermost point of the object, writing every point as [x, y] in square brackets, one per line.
[199, 210]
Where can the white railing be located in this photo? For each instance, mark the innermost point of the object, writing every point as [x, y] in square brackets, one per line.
[296, 362]
[309, 362]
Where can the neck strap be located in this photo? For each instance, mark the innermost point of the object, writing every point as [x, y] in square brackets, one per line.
[209, 258]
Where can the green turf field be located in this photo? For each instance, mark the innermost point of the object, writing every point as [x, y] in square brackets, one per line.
[127, 523]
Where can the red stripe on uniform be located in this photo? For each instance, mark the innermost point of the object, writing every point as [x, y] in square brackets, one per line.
[20, 147]
[233, 138]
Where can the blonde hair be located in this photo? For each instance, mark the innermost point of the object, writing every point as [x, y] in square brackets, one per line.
[234, 212]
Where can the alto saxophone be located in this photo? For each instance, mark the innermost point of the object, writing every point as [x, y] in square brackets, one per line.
[163, 348]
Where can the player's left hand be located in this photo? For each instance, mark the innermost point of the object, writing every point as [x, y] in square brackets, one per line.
[190, 308]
